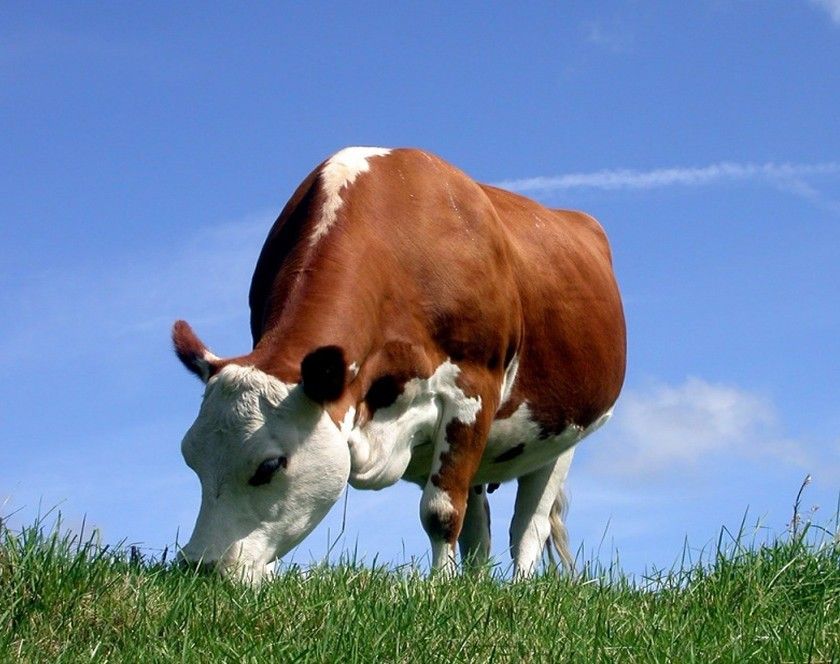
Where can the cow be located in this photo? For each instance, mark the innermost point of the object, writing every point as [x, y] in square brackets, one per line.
[408, 323]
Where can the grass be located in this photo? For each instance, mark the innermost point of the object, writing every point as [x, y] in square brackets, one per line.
[65, 600]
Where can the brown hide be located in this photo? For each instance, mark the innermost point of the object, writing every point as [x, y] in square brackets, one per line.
[424, 257]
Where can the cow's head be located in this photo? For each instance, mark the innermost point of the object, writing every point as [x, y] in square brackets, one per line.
[270, 459]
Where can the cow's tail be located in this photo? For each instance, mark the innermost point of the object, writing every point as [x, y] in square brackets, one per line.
[559, 535]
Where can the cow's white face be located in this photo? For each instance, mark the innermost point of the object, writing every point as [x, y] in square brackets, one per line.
[271, 464]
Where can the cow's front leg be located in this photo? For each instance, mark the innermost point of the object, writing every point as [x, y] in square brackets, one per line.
[459, 444]
[474, 540]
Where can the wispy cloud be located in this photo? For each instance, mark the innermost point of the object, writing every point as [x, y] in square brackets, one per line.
[133, 299]
[792, 178]
[830, 6]
[613, 36]
[666, 177]
[685, 427]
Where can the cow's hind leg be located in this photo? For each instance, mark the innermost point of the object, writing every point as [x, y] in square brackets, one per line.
[466, 414]
[474, 540]
[535, 516]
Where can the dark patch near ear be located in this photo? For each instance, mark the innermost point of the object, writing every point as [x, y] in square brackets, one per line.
[479, 489]
[191, 351]
[512, 453]
[323, 373]
[492, 487]
[383, 392]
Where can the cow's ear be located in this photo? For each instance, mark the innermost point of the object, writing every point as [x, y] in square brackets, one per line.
[323, 374]
[192, 352]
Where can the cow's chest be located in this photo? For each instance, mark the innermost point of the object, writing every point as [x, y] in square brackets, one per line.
[399, 442]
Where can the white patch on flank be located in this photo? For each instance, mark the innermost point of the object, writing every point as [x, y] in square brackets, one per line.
[246, 417]
[340, 171]
[381, 449]
[521, 429]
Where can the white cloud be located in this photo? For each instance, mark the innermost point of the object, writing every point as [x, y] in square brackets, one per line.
[686, 427]
[615, 36]
[666, 177]
[791, 178]
[830, 6]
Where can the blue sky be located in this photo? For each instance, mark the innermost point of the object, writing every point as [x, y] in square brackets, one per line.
[145, 151]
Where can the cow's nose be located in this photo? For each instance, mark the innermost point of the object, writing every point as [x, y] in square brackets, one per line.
[202, 566]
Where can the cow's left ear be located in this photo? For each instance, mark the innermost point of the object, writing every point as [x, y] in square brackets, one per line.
[193, 353]
[323, 374]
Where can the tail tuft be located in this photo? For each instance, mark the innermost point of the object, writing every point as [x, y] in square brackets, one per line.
[560, 535]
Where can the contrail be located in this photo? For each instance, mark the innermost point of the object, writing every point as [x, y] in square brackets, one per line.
[778, 174]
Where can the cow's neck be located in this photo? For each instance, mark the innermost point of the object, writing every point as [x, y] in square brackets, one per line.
[284, 345]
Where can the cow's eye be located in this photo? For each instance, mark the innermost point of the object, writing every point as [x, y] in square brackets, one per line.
[265, 471]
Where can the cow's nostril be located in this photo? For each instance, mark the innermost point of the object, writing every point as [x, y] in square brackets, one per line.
[199, 566]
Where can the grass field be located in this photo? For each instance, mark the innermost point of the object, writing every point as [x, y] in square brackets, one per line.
[64, 600]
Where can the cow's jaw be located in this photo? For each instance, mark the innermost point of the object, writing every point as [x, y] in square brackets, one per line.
[246, 418]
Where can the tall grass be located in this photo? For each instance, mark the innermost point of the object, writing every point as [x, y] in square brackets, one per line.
[64, 598]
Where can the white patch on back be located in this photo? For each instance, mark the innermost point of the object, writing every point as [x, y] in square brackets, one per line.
[340, 171]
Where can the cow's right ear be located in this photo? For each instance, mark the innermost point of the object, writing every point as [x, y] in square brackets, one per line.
[323, 373]
[192, 352]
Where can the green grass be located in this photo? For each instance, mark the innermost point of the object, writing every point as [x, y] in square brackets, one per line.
[63, 600]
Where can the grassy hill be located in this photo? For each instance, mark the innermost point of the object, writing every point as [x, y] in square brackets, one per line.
[63, 600]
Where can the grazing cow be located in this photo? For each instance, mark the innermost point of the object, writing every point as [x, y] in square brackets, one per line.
[408, 323]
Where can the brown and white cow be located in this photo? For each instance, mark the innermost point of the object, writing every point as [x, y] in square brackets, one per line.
[408, 323]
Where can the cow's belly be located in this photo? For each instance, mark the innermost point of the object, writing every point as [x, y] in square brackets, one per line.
[514, 448]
